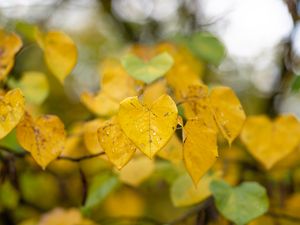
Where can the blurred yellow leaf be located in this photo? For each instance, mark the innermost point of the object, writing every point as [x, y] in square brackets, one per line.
[184, 192]
[172, 151]
[117, 146]
[100, 104]
[74, 144]
[60, 53]
[90, 136]
[149, 127]
[135, 205]
[228, 112]
[43, 137]
[66, 217]
[268, 141]
[154, 91]
[34, 86]
[200, 148]
[137, 170]
[10, 44]
[116, 85]
[11, 111]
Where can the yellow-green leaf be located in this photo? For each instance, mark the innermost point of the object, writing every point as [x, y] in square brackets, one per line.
[184, 192]
[149, 127]
[150, 70]
[34, 86]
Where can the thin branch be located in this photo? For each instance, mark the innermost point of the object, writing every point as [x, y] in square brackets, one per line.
[284, 216]
[12, 152]
[78, 159]
[84, 186]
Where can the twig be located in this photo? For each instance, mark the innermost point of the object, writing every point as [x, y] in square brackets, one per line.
[284, 216]
[84, 186]
[78, 159]
[12, 152]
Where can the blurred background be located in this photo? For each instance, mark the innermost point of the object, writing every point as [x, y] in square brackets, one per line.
[262, 64]
[261, 38]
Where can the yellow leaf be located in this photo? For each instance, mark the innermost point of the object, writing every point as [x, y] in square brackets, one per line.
[228, 112]
[43, 137]
[196, 103]
[184, 192]
[100, 104]
[116, 85]
[135, 205]
[154, 91]
[65, 217]
[186, 71]
[11, 111]
[90, 136]
[117, 146]
[219, 109]
[268, 141]
[200, 148]
[74, 145]
[10, 44]
[34, 86]
[137, 170]
[172, 151]
[60, 53]
[149, 127]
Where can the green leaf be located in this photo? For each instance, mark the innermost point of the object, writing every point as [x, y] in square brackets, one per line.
[100, 187]
[240, 204]
[207, 47]
[9, 197]
[34, 86]
[34, 186]
[26, 29]
[184, 193]
[296, 84]
[148, 71]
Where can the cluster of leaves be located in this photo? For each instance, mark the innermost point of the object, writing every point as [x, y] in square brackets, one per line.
[152, 107]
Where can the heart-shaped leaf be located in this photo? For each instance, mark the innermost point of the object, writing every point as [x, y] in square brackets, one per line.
[148, 71]
[60, 53]
[149, 127]
[268, 141]
[11, 111]
[10, 44]
[44, 137]
[117, 146]
[185, 193]
[207, 47]
[240, 204]
[200, 148]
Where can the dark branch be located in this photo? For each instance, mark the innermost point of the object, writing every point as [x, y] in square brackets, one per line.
[78, 159]
[84, 186]
[284, 216]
